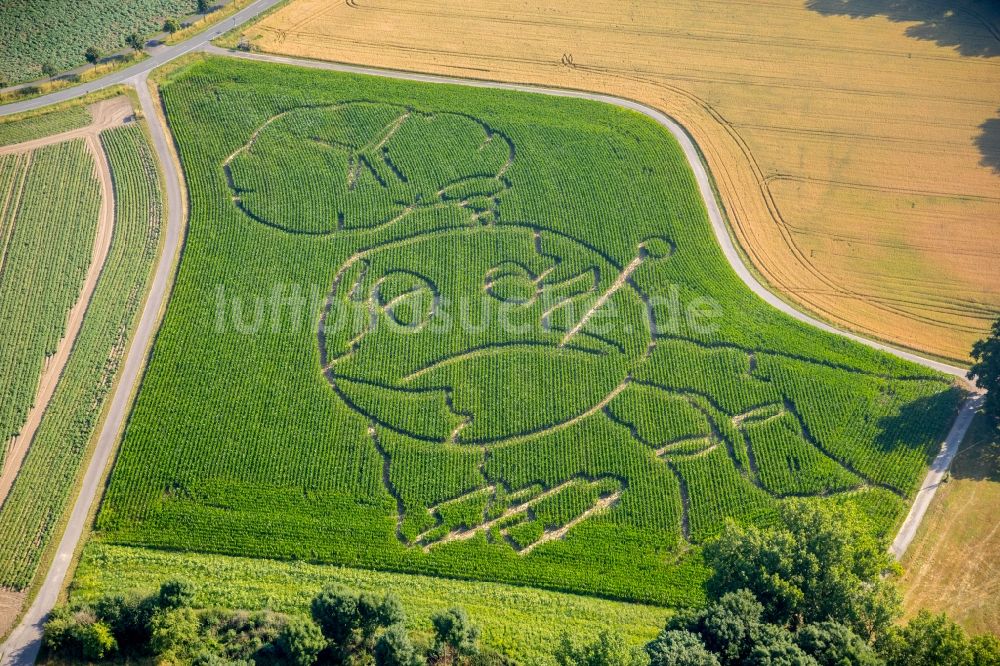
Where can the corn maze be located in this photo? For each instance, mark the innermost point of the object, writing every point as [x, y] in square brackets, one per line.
[484, 335]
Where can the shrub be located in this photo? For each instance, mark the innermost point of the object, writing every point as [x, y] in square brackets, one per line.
[335, 610]
[175, 633]
[394, 648]
[301, 641]
[608, 649]
[454, 633]
[96, 640]
[175, 593]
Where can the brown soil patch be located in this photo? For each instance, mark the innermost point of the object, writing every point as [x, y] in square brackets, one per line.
[851, 155]
[10, 606]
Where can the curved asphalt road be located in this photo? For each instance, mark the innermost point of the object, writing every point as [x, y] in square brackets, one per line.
[24, 642]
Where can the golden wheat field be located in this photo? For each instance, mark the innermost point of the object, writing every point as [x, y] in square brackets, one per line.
[856, 147]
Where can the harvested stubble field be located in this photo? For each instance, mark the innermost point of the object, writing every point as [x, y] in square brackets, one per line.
[855, 146]
[952, 565]
[470, 333]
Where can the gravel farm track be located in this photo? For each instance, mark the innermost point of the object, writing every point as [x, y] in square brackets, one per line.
[24, 642]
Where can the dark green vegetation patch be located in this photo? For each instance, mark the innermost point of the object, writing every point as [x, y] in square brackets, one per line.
[481, 334]
[58, 32]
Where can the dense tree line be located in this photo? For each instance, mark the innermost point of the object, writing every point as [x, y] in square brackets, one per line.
[344, 627]
[814, 591]
[986, 370]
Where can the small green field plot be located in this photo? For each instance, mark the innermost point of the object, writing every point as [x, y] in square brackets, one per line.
[45, 480]
[49, 202]
[483, 335]
[43, 124]
[58, 32]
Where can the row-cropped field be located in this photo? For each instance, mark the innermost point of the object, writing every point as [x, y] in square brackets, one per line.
[484, 335]
[58, 32]
[44, 484]
[49, 202]
[38, 125]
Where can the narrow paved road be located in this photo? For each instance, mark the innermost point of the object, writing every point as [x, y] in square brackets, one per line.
[23, 645]
[934, 476]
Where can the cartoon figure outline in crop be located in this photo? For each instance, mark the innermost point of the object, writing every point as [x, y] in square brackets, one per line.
[459, 335]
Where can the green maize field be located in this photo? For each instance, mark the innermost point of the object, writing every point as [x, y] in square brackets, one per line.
[483, 335]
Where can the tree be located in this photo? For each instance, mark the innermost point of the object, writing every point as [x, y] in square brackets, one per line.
[175, 634]
[609, 649]
[374, 613]
[926, 640]
[58, 631]
[128, 616]
[773, 646]
[96, 641]
[335, 610]
[730, 626]
[986, 370]
[675, 647]
[834, 644]
[819, 565]
[175, 593]
[455, 633]
[301, 641]
[136, 42]
[49, 70]
[394, 648]
[203, 6]
[92, 55]
[170, 26]
[985, 650]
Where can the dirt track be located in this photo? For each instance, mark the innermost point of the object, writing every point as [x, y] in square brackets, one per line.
[106, 114]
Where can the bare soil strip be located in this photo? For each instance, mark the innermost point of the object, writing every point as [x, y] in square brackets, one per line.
[11, 602]
[106, 114]
[549, 535]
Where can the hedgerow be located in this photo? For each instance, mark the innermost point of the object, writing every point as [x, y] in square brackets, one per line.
[318, 392]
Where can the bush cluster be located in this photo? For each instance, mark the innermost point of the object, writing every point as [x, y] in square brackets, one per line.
[344, 627]
[810, 592]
